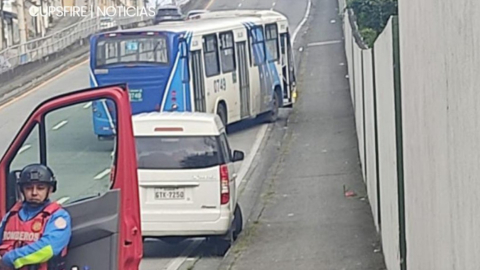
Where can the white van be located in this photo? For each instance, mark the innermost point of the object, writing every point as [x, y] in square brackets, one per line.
[187, 177]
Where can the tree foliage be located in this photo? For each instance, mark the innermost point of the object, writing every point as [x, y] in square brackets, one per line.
[372, 16]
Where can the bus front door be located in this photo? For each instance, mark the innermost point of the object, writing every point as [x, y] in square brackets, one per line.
[288, 70]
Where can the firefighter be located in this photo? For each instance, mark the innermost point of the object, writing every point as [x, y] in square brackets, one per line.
[35, 233]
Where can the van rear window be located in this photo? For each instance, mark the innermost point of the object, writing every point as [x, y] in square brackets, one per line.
[174, 153]
[167, 12]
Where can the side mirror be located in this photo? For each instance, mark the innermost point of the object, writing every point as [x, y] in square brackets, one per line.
[238, 156]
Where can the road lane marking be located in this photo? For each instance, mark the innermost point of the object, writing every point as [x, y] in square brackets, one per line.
[63, 200]
[307, 13]
[88, 105]
[177, 262]
[324, 43]
[59, 125]
[41, 85]
[102, 174]
[251, 155]
[24, 148]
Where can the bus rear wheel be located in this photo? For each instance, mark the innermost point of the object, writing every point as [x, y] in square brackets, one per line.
[222, 113]
[272, 116]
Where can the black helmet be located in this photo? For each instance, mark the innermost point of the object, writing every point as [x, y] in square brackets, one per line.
[37, 173]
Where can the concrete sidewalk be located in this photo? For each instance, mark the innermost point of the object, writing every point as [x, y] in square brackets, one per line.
[306, 221]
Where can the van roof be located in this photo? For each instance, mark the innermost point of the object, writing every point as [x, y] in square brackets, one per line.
[177, 124]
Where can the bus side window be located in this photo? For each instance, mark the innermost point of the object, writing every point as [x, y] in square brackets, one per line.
[210, 51]
[100, 57]
[258, 45]
[227, 54]
[271, 36]
[250, 49]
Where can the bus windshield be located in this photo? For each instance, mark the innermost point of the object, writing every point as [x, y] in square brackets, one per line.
[131, 50]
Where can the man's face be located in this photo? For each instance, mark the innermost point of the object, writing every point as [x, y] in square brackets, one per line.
[36, 193]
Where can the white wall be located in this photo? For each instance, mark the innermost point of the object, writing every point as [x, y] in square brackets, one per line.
[440, 43]
[362, 86]
[370, 135]
[387, 151]
[439, 64]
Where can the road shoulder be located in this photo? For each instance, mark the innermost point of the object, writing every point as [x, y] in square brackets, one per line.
[304, 218]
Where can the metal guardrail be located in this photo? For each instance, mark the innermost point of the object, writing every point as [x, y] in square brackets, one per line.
[36, 49]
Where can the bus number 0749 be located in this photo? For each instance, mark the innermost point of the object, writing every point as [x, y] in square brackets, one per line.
[220, 85]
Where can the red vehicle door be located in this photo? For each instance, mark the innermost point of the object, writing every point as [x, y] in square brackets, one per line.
[96, 180]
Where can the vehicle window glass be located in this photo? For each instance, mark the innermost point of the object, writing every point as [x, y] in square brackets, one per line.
[81, 163]
[258, 45]
[29, 152]
[210, 49]
[167, 12]
[226, 147]
[131, 50]
[178, 152]
[271, 42]
[227, 52]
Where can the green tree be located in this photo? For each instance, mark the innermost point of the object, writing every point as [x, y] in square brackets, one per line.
[372, 16]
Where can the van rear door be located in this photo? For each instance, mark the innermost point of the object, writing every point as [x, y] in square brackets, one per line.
[179, 178]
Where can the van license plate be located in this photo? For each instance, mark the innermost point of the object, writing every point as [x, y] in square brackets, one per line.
[169, 194]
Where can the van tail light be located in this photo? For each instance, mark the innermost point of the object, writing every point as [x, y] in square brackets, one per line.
[224, 185]
[112, 174]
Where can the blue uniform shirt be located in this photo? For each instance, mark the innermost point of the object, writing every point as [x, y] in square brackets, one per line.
[55, 238]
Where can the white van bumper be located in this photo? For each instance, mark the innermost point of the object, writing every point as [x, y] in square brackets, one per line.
[190, 229]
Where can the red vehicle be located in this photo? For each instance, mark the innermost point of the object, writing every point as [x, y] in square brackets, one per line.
[106, 224]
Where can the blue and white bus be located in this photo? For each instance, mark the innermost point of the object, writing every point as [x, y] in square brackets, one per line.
[237, 64]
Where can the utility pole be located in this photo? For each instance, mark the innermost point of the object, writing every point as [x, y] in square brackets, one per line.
[2, 31]
[44, 19]
[21, 25]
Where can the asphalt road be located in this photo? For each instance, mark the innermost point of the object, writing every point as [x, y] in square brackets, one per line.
[197, 253]
[81, 162]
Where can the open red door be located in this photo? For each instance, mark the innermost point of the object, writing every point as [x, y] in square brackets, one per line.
[97, 180]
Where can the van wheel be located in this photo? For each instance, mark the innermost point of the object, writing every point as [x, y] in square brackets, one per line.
[222, 113]
[273, 114]
[237, 225]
